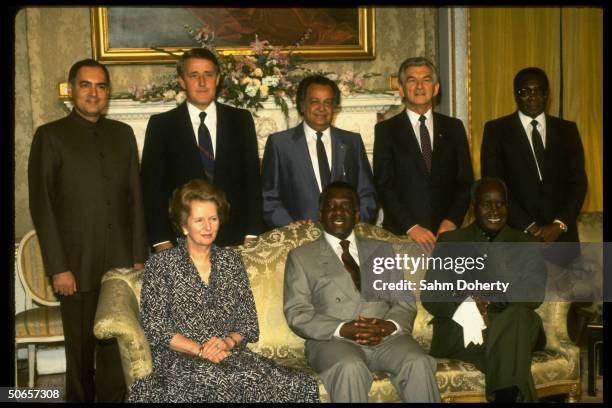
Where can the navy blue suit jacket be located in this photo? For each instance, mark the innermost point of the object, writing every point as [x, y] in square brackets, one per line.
[289, 187]
[170, 158]
[411, 195]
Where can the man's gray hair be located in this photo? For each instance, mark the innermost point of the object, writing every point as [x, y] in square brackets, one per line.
[417, 62]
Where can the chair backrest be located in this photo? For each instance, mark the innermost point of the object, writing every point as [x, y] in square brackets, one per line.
[31, 271]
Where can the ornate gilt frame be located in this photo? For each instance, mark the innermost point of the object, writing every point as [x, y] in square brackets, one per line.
[365, 49]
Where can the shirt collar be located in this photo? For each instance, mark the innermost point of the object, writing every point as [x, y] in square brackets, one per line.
[334, 242]
[310, 132]
[414, 117]
[526, 120]
[194, 112]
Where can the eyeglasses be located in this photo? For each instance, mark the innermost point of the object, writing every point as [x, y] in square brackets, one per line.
[527, 92]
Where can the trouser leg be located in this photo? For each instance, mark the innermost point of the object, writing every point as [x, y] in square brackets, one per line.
[79, 343]
[342, 368]
[511, 338]
[412, 371]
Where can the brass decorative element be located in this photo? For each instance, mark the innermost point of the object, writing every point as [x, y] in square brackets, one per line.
[365, 49]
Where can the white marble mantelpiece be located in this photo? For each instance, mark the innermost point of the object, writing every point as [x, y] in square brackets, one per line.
[358, 114]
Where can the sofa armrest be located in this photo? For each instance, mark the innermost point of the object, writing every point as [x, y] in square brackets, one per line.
[117, 316]
[554, 317]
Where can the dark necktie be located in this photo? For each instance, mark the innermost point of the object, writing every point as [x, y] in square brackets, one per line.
[538, 146]
[206, 149]
[425, 142]
[350, 264]
[324, 172]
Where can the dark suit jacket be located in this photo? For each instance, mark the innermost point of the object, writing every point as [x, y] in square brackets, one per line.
[520, 265]
[506, 153]
[290, 190]
[170, 158]
[409, 194]
[85, 198]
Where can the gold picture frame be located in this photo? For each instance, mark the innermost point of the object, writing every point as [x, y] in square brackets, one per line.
[113, 43]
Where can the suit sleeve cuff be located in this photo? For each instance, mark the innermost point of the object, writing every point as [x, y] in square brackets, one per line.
[337, 332]
[397, 326]
[526, 230]
[161, 243]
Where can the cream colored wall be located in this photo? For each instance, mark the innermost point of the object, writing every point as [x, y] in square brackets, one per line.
[49, 40]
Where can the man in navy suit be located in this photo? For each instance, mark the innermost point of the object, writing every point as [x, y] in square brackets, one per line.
[422, 165]
[205, 139]
[299, 162]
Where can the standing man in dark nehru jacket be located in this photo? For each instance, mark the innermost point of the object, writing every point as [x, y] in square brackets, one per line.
[541, 160]
[422, 165]
[299, 162]
[86, 206]
[204, 139]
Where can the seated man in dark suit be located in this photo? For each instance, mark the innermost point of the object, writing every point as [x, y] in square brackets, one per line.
[349, 331]
[299, 162]
[512, 328]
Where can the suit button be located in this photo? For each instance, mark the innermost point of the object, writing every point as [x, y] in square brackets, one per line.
[338, 300]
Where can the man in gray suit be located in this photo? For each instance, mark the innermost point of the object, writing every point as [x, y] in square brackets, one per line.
[347, 336]
[299, 162]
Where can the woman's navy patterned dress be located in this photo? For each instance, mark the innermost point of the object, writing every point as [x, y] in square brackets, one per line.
[175, 300]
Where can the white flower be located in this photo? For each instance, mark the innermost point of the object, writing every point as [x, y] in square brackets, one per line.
[180, 97]
[263, 91]
[270, 80]
[251, 89]
[169, 94]
[276, 71]
[271, 62]
[258, 72]
[256, 83]
[344, 89]
[240, 96]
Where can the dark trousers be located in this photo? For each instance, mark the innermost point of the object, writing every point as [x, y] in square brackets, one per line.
[505, 356]
[82, 382]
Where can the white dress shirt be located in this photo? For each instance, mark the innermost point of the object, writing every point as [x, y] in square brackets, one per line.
[526, 122]
[311, 141]
[334, 242]
[210, 121]
[416, 126]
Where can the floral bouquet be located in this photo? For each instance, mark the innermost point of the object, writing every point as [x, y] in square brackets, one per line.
[249, 80]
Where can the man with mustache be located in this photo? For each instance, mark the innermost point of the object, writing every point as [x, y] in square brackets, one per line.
[86, 206]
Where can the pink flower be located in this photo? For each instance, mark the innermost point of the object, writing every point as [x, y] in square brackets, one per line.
[259, 46]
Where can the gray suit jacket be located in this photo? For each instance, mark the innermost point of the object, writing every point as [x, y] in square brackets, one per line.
[319, 293]
[289, 187]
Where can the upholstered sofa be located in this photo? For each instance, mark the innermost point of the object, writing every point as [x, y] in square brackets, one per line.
[556, 370]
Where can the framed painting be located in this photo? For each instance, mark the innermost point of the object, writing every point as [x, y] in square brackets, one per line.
[133, 35]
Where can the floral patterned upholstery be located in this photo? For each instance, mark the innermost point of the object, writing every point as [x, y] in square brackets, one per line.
[555, 370]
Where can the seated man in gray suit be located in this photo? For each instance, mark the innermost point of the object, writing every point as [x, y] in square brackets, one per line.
[348, 337]
[299, 162]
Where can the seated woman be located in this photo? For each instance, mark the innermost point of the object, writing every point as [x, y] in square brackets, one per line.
[198, 313]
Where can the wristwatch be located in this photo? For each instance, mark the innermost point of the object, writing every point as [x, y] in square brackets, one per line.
[562, 226]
